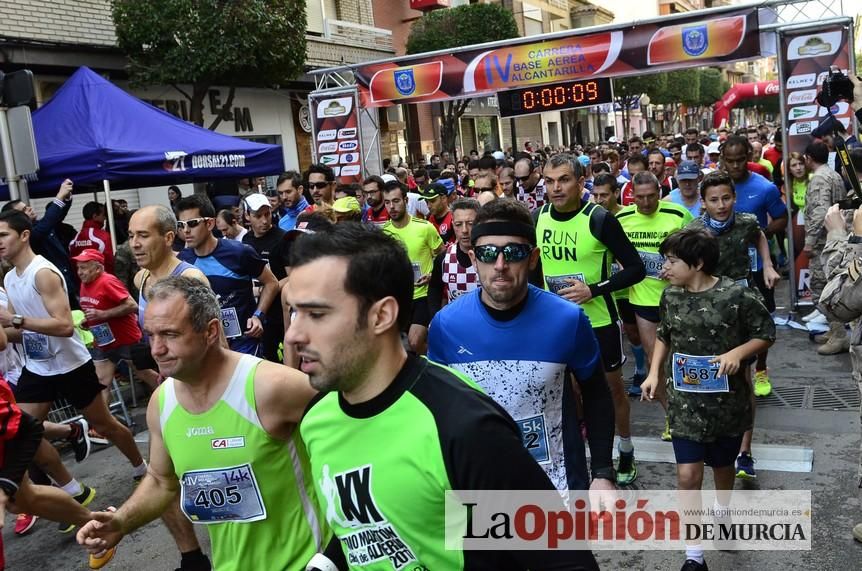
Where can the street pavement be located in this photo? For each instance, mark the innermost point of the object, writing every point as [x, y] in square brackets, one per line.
[803, 379]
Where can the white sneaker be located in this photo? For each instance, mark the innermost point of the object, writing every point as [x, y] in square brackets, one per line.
[819, 320]
[813, 315]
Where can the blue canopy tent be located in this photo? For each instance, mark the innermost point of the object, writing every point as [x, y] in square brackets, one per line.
[93, 132]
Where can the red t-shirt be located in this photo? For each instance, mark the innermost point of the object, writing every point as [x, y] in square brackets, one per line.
[379, 219]
[93, 237]
[760, 169]
[10, 417]
[627, 194]
[107, 292]
[772, 155]
[444, 227]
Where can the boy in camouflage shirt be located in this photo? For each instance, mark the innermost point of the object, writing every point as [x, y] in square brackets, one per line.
[740, 242]
[709, 328]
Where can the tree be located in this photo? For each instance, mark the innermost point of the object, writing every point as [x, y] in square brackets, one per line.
[628, 90]
[453, 28]
[210, 42]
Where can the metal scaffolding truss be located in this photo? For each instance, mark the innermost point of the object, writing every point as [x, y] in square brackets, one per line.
[802, 11]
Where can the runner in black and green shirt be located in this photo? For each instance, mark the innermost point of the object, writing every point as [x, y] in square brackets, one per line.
[710, 326]
[390, 434]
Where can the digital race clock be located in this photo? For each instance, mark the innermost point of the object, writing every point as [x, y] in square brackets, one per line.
[569, 95]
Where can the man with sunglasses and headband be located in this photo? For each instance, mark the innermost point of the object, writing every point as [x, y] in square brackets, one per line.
[231, 268]
[525, 347]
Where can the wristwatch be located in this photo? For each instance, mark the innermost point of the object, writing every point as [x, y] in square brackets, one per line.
[17, 321]
[260, 315]
[605, 474]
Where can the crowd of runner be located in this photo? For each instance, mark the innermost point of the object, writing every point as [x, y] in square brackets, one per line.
[526, 279]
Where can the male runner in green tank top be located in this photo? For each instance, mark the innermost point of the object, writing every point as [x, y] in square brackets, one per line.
[578, 241]
[222, 435]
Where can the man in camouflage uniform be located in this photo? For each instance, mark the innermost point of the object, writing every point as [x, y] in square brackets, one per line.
[825, 188]
[842, 252]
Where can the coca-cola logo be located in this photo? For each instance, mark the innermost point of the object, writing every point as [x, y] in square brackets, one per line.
[771, 88]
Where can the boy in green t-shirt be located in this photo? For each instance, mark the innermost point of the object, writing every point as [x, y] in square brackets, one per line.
[709, 327]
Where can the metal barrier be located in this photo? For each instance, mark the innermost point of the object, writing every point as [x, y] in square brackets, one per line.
[62, 412]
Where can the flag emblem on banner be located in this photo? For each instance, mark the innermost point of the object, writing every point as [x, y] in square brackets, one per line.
[695, 40]
[404, 82]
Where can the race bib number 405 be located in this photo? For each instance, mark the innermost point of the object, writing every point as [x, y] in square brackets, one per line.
[222, 495]
[653, 261]
[695, 374]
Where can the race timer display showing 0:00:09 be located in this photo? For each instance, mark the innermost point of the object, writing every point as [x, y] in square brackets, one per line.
[570, 95]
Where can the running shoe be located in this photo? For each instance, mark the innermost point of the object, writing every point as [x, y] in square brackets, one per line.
[627, 469]
[692, 565]
[813, 315]
[762, 384]
[101, 559]
[84, 498]
[24, 523]
[635, 388]
[745, 467]
[80, 439]
[666, 434]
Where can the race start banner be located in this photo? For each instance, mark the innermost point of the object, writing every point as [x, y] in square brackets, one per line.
[701, 39]
[806, 57]
[335, 133]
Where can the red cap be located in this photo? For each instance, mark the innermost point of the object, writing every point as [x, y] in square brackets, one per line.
[90, 255]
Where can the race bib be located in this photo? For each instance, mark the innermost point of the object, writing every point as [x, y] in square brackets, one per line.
[556, 283]
[535, 437]
[230, 322]
[616, 268]
[36, 346]
[222, 495]
[417, 271]
[752, 258]
[102, 334]
[653, 261]
[695, 374]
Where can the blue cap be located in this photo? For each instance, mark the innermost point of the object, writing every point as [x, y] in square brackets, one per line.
[448, 183]
[584, 160]
[687, 170]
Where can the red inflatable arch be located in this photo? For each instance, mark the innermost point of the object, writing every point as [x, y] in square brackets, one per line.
[737, 93]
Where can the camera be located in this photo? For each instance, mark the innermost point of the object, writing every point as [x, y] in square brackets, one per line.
[836, 87]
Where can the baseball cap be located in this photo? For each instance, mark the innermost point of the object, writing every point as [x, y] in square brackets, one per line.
[90, 255]
[346, 204]
[612, 140]
[499, 155]
[584, 160]
[669, 162]
[713, 149]
[256, 201]
[687, 170]
[390, 181]
[448, 183]
[433, 190]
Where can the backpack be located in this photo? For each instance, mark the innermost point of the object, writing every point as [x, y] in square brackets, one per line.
[841, 299]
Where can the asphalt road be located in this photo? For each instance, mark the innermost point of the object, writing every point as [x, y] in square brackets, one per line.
[832, 431]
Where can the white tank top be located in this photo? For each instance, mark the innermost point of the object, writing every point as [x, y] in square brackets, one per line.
[44, 355]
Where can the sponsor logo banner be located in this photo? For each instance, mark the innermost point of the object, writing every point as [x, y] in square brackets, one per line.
[335, 133]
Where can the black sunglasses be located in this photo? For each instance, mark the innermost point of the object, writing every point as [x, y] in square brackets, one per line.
[523, 178]
[318, 185]
[192, 223]
[512, 252]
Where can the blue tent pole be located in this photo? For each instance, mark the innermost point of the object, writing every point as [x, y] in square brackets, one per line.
[110, 209]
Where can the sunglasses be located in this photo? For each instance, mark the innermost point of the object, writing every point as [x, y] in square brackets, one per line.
[512, 252]
[192, 223]
[523, 178]
[318, 185]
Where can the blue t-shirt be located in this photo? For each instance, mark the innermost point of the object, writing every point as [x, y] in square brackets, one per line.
[675, 196]
[230, 268]
[758, 196]
[522, 364]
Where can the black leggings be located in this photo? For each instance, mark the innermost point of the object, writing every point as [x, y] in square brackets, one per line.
[19, 453]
